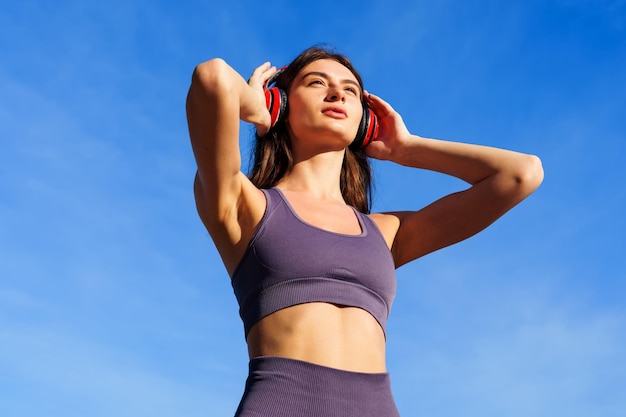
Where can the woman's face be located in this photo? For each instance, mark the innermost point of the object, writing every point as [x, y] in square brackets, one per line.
[325, 105]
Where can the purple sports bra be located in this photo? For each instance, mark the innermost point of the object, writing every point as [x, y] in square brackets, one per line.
[290, 262]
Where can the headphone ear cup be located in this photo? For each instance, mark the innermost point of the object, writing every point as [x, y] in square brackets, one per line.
[275, 99]
[276, 103]
[368, 129]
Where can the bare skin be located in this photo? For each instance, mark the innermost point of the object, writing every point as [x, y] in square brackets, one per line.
[324, 114]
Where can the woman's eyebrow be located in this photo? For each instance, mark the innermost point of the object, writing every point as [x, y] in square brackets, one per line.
[326, 77]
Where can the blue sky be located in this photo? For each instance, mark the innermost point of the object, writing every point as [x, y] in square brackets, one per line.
[113, 301]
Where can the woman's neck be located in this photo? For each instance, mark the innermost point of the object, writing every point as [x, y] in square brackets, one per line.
[318, 175]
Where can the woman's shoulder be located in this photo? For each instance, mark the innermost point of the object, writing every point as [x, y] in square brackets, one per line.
[388, 224]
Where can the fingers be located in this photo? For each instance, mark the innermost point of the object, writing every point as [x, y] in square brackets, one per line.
[258, 71]
[378, 105]
[262, 73]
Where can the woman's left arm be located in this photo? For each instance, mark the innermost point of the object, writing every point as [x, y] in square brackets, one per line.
[499, 180]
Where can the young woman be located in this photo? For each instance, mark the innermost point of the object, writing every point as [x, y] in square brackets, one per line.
[313, 271]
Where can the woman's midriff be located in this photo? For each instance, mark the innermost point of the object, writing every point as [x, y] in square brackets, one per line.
[347, 338]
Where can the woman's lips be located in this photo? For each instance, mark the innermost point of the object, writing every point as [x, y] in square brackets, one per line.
[335, 112]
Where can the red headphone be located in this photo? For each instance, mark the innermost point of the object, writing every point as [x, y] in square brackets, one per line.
[276, 103]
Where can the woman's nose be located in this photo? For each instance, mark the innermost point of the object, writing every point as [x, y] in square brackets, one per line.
[335, 94]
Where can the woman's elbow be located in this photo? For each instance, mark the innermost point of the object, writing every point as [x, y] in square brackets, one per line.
[211, 76]
[529, 175]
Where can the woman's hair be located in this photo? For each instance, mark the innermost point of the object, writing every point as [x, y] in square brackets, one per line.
[273, 156]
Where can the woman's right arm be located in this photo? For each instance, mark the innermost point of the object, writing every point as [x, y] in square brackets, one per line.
[229, 205]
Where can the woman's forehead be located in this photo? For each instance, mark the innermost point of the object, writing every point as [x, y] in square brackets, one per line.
[329, 67]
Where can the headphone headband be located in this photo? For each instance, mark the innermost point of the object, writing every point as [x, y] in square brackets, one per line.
[274, 76]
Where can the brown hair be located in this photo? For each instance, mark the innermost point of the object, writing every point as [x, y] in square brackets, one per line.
[273, 156]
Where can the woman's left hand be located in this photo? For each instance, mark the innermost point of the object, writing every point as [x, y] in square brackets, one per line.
[391, 129]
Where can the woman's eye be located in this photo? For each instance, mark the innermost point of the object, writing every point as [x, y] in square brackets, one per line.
[351, 90]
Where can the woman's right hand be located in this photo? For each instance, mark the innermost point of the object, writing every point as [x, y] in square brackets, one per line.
[257, 82]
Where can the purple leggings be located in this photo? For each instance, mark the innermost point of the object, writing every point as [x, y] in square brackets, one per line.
[282, 387]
